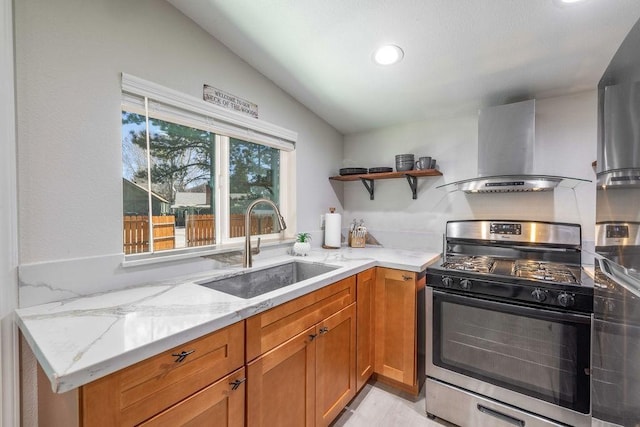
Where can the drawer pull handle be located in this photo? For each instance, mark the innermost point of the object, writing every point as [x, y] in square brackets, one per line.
[182, 356]
[312, 337]
[405, 277]
[237, 383]
[499, 415]
[324, 330]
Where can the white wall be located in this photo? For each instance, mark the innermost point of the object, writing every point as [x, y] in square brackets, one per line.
[9, 388]
[69, 56]
[566, 145]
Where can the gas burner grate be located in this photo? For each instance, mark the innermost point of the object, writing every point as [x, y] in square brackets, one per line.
[551, 272]
[478, 264]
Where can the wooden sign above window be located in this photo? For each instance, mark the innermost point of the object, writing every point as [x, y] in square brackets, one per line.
[229, 101]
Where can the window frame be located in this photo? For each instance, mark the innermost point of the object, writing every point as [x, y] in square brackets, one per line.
[158, 102]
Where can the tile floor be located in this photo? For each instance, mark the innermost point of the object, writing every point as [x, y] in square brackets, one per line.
[379, 405]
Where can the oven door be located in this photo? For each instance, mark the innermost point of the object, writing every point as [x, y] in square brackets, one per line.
[616, 374]
[511, 353]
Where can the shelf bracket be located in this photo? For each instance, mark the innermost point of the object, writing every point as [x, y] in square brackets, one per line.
[368, 184]
[413, 183]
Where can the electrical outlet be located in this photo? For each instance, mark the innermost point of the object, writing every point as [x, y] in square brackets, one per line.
[321, 222]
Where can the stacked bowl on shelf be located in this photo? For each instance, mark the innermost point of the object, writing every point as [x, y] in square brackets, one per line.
[404, 162]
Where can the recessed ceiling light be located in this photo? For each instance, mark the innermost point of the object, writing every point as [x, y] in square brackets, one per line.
[568, 2]
[388, 54]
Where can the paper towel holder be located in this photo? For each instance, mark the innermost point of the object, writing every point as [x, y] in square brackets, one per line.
[331, 210]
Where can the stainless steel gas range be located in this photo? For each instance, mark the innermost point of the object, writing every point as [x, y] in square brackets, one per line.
[509, 325]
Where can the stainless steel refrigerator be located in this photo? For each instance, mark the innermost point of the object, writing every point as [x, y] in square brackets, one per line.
[615, 354]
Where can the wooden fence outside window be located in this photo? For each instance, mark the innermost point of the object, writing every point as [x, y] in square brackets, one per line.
[199, 230]
[136, 233]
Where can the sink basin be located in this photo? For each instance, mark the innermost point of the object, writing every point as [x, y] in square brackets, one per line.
[258, 282]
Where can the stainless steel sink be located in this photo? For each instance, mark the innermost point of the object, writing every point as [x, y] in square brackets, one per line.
[258, 282]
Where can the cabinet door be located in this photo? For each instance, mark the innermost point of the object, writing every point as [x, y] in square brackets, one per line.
[281, 384]
[395, 349]
[220, 404]
[365, 326]
[335, 364]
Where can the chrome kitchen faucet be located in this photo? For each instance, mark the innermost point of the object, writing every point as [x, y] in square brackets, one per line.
[246, 258]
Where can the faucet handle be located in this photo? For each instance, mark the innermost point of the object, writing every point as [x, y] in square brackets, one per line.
[283, 225]
[256, 250]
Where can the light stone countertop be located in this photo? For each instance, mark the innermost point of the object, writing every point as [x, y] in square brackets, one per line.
[80, 340]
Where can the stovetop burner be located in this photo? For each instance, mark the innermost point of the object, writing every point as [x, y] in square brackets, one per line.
[551, 272]
[478, 264]
[524, 269]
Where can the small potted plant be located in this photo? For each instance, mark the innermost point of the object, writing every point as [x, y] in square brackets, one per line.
[302, 245]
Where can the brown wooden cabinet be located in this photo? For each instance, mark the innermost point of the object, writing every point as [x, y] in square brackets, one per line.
[271, 328]
[396, 328]
[186, 383]
[335, 364]
[281, 384]
[365, 326]
[307, 380]
[220, 404]
[141, 391]
[307, 373]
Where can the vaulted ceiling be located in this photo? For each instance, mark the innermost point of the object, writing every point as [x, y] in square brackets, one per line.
[459, 55]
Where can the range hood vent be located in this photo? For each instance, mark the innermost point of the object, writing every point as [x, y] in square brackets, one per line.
[506, 149]
[619, 140]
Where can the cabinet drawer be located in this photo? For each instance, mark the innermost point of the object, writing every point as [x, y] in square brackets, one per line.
[221, 403]
[273, 327]
[135, 394]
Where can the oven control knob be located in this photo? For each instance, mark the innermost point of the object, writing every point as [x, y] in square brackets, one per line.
[465, 284]
[447, 282]
[539, 295]
[566, 300]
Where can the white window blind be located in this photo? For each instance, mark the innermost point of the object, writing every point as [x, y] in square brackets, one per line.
[165, 103]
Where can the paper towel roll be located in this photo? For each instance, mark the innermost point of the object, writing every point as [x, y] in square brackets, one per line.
[332, 229]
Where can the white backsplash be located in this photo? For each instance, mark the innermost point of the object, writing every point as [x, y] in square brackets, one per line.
[46, 282]
[409, 240]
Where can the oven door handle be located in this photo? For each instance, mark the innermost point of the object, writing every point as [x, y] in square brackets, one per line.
[520, 310]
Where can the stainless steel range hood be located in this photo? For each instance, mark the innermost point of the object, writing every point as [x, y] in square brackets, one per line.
[506, 148]
[619, 125]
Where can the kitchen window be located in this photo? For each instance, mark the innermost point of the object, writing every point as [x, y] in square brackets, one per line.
[190, 169]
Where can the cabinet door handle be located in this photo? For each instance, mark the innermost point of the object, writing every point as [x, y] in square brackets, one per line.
[312, 337]
[182, 356]
[406, 277]
[237, 383]
[324, 330]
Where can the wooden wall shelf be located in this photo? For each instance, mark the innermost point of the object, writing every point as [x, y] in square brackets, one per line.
[368, 179]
